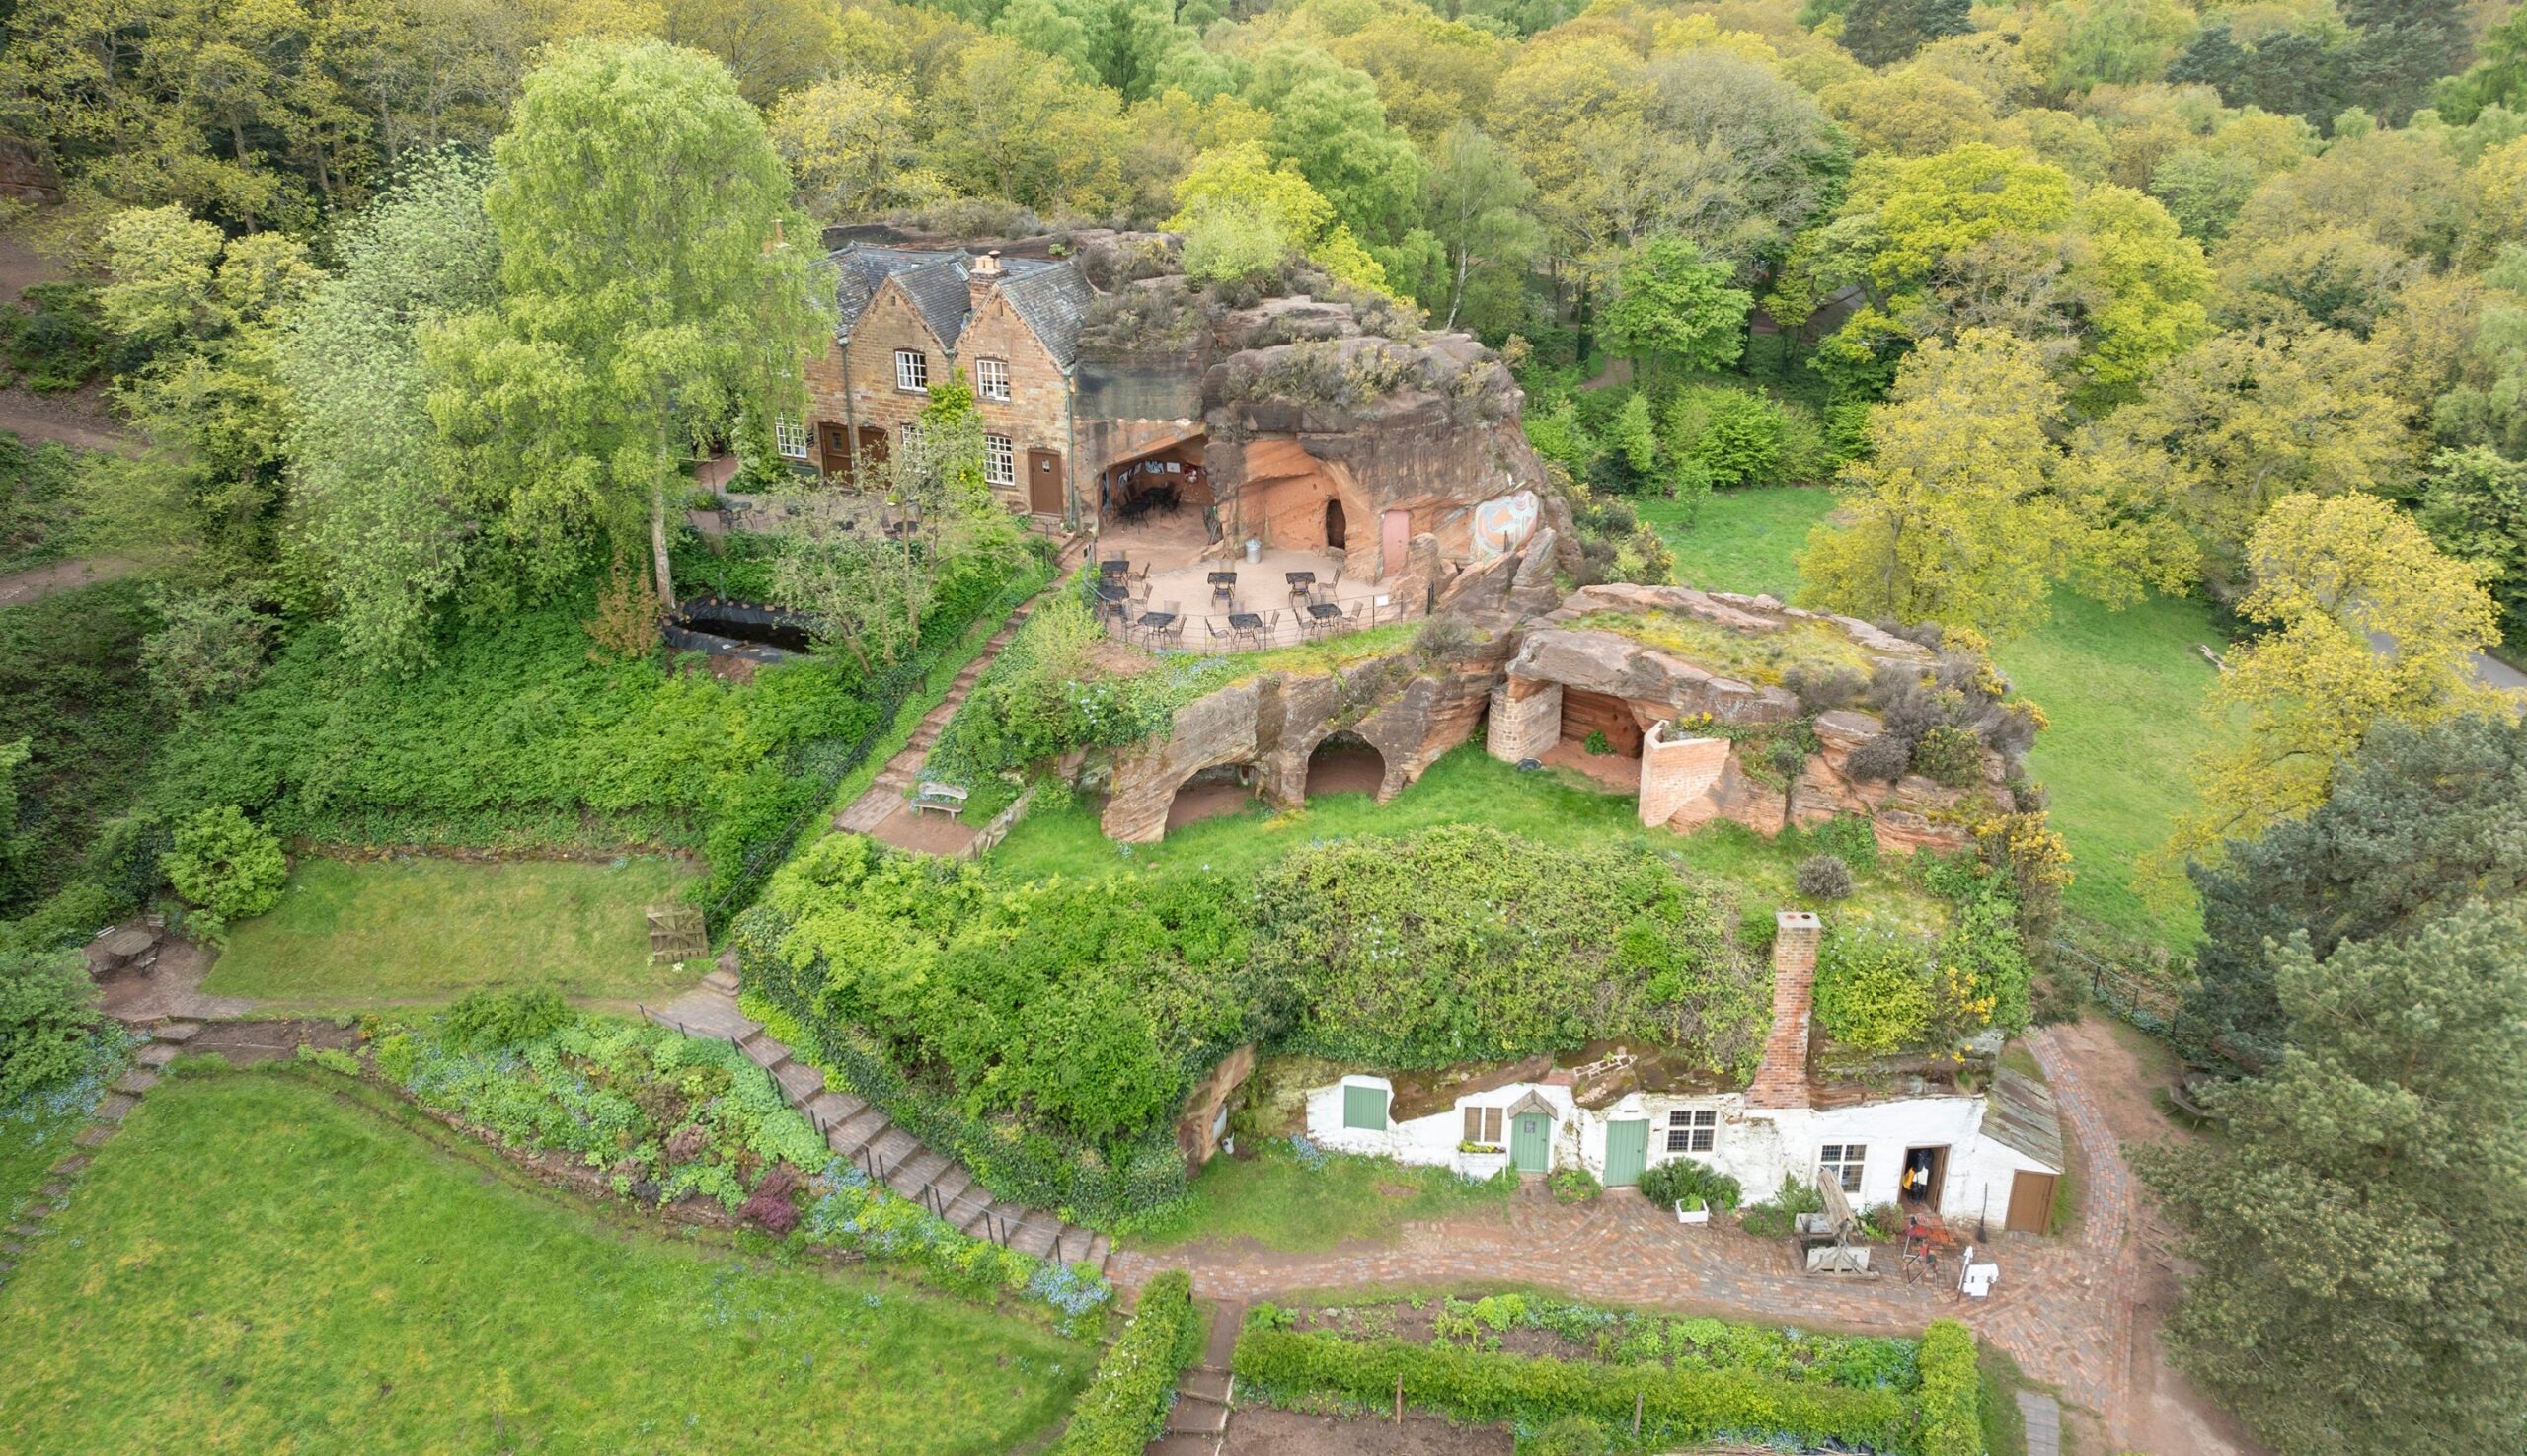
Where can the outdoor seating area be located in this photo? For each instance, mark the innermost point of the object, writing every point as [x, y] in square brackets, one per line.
[1283, 599]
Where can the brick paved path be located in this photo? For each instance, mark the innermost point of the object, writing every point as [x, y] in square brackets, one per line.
[2063, 1308]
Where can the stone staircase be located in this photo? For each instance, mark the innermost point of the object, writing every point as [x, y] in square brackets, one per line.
[1205, 1394]
[894, 782]
[861, 1135]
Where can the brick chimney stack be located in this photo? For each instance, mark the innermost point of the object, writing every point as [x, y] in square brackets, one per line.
[1781, 1080]
[984, 276]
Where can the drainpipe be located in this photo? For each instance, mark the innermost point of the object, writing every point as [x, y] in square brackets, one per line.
[1070, 432]
[850, 419]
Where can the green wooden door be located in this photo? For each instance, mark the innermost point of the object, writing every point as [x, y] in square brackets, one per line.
[1364, 1107]
[1627, 1153]
[1531, 1142]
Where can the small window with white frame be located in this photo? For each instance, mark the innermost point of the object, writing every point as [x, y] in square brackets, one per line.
[991, 379]
[1692, 1130]
[789, 437]
[912, 369]
[1000, 460]
[1843, 1159]
[1483, 1126]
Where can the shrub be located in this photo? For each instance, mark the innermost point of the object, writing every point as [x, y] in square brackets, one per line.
[1849, 838]
[1885, 758]
[1872, 992]
[226, 865]
[1776, 1216]
[1444, 640]
[1678, 1407]
[770, 1204]
[490, 1020]
[1683, 1181]
[1824, 689]
[54, 336]
[1735, 434]
[1951, 1396]
[1596, 743]
[1569, 1435]
[1823, 877]
[1575, 1185]
[208, 648]
[1124, 1407]
[1952, 756]
[46, 1011]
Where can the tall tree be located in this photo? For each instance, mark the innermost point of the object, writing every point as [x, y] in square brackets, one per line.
[1960, 513]
[2365, 624]
[2401, 49]
[648, 301]
[1675, 305]
[2361, 1231]
[1476, 202]
[379, 506]
[1880, 32]
[2474, 504]
[1327, 118]
[2498, 78]
[2420, 820]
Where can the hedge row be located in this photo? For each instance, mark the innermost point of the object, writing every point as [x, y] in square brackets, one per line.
[1677, 1407]
[1125, 1406]
[1952, 1391]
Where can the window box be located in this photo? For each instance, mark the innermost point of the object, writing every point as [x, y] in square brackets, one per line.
[1480, 1162]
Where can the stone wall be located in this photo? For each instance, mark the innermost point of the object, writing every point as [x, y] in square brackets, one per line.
[1410, 714]
[1526, 720]
[1676, 770]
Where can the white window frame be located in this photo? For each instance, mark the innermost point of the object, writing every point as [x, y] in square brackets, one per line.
[1486, 1127]
[1848, 1160]
[912, 371]
[1692, 1130]
[789, 437]
[991, 380]
[908, 438]
[1000, 460]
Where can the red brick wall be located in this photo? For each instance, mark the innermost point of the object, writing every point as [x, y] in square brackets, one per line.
[1781, 1080]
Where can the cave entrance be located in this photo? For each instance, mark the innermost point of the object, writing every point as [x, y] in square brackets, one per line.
[1210, 793]
[1600, 739]
[1346, 764]
[1335, 534]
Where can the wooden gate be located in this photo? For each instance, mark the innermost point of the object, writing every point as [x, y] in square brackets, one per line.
[676, 934]
[2031, 1203]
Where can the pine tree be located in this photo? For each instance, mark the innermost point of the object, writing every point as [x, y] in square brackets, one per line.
[1882, 31]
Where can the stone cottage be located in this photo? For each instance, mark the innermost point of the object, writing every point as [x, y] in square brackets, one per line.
[1993, 1154]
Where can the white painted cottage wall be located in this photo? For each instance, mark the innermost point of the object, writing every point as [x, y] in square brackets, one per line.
[1757, 1146]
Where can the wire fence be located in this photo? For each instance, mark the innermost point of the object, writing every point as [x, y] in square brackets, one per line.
[2136, 990]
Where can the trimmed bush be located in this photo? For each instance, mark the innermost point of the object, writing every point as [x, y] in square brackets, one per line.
[226, 865]
[1678, 1407]
[1823, 877]
[1125, 1406]
[1952, 1391]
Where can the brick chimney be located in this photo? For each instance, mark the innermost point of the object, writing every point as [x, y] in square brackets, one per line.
[1781, 1080]
[984, 276]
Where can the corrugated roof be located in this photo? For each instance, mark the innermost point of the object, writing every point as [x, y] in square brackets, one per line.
[2020, 1114]
[1049, 294]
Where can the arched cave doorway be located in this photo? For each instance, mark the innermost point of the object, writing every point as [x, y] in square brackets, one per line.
[1345, 763]
[1213, 792]
[1336, 528]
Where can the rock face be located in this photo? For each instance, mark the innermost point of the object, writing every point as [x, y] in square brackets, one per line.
[1410, 714]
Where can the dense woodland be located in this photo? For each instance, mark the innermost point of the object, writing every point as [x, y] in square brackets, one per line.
[417, 311]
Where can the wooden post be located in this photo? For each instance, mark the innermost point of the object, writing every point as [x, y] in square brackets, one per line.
[1635, 1412]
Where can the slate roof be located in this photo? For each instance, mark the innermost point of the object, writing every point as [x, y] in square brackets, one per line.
[1049, 294]
[2021, 1114]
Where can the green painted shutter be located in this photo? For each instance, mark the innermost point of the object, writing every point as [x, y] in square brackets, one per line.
[1364, 1107]
[1627, 1153]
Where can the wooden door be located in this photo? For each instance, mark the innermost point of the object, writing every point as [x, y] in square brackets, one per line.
[1395, 539]
[2031, 1203]
[1531, 1142]
[1046, 483]
[1627, 1153]
[833, 448]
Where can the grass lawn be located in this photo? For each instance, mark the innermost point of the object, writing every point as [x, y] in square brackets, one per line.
[1281, 1203]
[2123, 691]
[262, 1262]
[352, 935]
[1466, 787]
[37, 1129]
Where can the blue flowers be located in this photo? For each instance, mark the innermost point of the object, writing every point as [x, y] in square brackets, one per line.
[1309, 1156]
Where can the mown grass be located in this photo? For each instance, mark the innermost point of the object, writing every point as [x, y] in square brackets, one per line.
[1466, 787]
[260, 1262]
[1275, 1199]
[349, 934]
[2123, 691]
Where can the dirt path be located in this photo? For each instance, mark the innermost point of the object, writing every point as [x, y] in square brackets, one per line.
[78, 419]
[38, 583]
[2079, 1313]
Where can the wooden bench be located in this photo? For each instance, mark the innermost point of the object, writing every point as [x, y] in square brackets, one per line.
[943, 799]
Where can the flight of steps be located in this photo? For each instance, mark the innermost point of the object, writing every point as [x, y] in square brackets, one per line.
[894, 782]
[864, 1137]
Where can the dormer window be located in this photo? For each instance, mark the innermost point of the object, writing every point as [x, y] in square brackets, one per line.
[912, 371]
[991, 379]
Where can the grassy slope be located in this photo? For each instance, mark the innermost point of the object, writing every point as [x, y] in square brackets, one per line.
[1280, 1204]
[353, 935]
[1467, 787]
[2123, 691]
[257, 1264]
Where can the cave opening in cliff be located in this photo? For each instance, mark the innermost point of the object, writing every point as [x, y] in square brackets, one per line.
[1345, 763]
[1213, 792]
[1600, 739]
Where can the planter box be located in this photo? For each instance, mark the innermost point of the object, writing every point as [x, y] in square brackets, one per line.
[1481, 1165]
[1699, 1214]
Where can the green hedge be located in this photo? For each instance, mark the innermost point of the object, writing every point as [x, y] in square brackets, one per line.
[1125, 1406]
[1952, 1391]
[1677, 1407]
